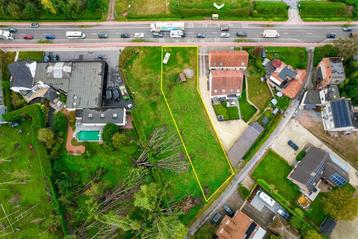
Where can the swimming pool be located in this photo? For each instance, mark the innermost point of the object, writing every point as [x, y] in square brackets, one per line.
[88, 135]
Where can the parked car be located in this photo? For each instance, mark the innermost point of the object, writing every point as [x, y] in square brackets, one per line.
[292, 145]
[228, 210]
[158, 34]
[200, 35]
[241, 34]
[331, 35]
[220, 118]
[224, 35]
[125, 35]
[102, 35]
[28, 37]
[12, 29]
[216, 218]
[35, 25]
[50, 36]
[283, 214]
[347, 29]
[138, 35]
[224, 28]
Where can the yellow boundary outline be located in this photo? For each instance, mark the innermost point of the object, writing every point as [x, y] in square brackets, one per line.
[211, 123]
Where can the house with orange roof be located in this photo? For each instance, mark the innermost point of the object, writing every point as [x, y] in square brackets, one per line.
[284, 78]
[240, 226]
[225, 83]
[330, 71]
[228, 60]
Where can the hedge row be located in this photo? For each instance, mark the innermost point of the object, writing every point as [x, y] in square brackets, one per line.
[270, 9]
[314, 9]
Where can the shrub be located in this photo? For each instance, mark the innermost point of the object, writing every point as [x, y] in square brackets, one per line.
[46, 136]
[118, 140]
[301, 155]
[244, 192]
[59, 122]
[108, 131]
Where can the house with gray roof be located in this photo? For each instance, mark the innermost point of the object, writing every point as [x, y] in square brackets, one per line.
[22, 75]
[315, 99]
[338, 116]
[101, 117]
[317, 165]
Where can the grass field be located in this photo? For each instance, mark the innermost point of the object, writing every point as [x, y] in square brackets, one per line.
[259, 93]
[294, 56]
[23, 186]
[267, 170]
[211, 164]
[200, 9]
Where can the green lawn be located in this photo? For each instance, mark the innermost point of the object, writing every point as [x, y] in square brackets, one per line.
[5, 59]
[259, 93]
[191, 118]
[23, 186]
[324, 51]
[274, 170]
[229, 113]
[315, 212]
[31, 56]
[246, 109]
[294, 56]
[142, 73]
[200, 9]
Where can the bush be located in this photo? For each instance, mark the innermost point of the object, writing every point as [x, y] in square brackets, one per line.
[108, 131]
[59, 122]
[301, 155]
[244, 192]
[46, 136]
[270, 9]
[118, 140]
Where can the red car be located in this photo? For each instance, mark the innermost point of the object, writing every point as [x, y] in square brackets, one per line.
[28, 37]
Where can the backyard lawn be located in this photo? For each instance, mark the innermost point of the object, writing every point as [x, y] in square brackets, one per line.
[200, 9]
[24, 191]
[259, 93]
[229, 113]
[274, 170]
[246, 109]
[315, 212]
[294, 56]
[211, 164]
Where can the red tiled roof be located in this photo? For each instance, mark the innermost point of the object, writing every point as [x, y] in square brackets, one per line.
[294, 86]
[228, 58]
[233, 228]
[276, 63]
[226, 82]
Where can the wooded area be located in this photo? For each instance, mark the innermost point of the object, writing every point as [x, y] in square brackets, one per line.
[52, 9]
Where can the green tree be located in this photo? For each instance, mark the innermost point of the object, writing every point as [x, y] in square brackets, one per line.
[347, 47]
[47, 4]
[17, 100]
[312, 234]
[30, 11]
[118, 140]
[59, 122]
[108, 131]
[46, 136]
[341, 203]
[148, 197]
[124, 223]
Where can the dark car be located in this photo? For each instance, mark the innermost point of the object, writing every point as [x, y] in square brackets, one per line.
[228, 211]
[200, 35]
[292, 145]
[158, 34]
[220, 118]
[108, 94]
[241, 34]
[125, 35]
[35, 25]
[283, 214]
[331, 35]
[28, 37]
[216, 218]
[347, 29]
[102, 35]
[50, 36]
[224, 29]
[116, 94]
[12, 29]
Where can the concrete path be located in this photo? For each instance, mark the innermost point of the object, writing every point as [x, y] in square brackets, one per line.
[293, 12]
[111, 10]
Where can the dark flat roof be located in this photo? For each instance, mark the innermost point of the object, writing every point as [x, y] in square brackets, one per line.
[103, 116]
[342, 115]
[21, 75]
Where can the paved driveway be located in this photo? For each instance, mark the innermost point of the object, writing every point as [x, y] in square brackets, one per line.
[228, 131]
[346, 230]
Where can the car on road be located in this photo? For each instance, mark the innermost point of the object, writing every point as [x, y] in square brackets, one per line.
[216, 218]
[125, 35]
[138, 35]
[292, 145]
[228, 210]
[28, 37]
[331, 35]
[224, 35]
[200, 35]
[283, 214]
[35, 25]
[50, 36]
[12, 29]
[347, 29]
[224, 28]
[103, 35]
[241, 34]
[158, 35]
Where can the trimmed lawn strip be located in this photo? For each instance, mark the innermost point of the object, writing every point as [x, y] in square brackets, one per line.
[142, 76]
[267, 170]
[210, 164]
[37, 56]
[229, 113]
[325, 11]
[246, 109]
[293, 56]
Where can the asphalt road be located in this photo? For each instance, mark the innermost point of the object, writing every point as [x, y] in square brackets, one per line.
[288, 33]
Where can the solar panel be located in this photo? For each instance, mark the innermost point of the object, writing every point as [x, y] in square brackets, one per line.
[341, 113]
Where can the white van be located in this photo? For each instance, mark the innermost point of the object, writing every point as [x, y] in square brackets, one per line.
[266, 198]
[270, 34]
[75, 35]
[138, 35]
